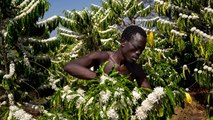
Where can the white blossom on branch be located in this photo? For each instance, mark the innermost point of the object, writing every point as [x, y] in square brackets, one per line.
[148, 103]
[11, 71]
[49, 20]
[27, 11]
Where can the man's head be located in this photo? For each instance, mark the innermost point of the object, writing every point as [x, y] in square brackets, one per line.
[133, 42]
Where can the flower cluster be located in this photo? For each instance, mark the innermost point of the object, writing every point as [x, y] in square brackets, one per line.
[105, 96]
[19, 114]
[144, 22]
[165, 21]
[147, 7]
[147, 29]
[188, 16]
[70, 95]
[103, 78]
[49, 20]
[27, 9]
[201, 33]
[44, 40]
[3, 103]
[26, 60]
[160, 2]
[170, 5]
[52, 82]
[204, 77]
[178, 33]
[23, 4]
[208, 9]
[111, 113]
[64, 30]
[54, 117]
[136, 95]
[11, 71]
[148, 103]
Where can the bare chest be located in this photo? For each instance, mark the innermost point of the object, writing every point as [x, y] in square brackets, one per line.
[122, 69]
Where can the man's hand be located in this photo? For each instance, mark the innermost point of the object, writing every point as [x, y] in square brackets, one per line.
[122, 70]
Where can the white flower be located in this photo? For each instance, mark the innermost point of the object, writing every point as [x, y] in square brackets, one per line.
[89, 101]
[63, 97]
[10, 97]
[117, 94]
[1, 72]
[184, 66]
[133, 117]
[152, 98]
[205, 67]
[200, 32]
[140, 113]
[104, 78]
[158, 91]
[105, 96]
[3, 103]
[136, 94]
[20, 114]
[66, 88]
[70, 97]
[11, 71]
[195, 70]
[102, 114]
[161, 2]
[193, 29]
[184, 16]
[147, 105]
[205, 35]
[190, 17]
[195, 17]
[79, 101]
[81, 91]
[199, 71]
[13, 108]
[111, 113]
[10, 116]
[209, 69]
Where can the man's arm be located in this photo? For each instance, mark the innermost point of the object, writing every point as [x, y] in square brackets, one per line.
[80, 68]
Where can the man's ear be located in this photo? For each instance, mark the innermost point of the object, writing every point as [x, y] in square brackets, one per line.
[123, 44]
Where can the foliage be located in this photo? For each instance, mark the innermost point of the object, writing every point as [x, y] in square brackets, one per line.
[113, 96]
[189, 35]
[24, 46]
[101, 26]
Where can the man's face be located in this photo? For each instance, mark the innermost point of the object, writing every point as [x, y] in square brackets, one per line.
[134, 47]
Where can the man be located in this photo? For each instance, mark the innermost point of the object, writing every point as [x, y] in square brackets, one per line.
[133, 42]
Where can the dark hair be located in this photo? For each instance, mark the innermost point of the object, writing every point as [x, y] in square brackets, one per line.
[130, 31]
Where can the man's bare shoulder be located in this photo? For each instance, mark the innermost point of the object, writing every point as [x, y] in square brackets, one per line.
[100, 55]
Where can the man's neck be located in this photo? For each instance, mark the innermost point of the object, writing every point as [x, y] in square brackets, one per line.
[118, 57]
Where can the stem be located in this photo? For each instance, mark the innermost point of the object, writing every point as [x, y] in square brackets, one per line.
[4, 53]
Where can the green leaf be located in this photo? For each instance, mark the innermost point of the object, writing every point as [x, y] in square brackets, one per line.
[171, 96]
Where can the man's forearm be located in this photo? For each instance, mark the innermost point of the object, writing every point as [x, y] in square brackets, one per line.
[80, 72]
